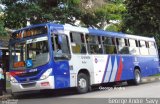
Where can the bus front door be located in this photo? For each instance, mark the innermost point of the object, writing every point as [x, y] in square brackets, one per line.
[61, 61]
[61, 74]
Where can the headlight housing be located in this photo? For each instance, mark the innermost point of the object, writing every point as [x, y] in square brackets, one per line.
[46, 74]
[13, 80]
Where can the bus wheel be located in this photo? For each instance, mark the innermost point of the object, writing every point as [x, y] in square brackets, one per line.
[137, 78]
[82, 83]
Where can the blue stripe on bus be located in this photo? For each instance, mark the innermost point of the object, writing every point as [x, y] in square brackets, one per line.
[112, 61]
[106, 69]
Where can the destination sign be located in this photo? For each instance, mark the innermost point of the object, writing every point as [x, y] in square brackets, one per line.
[19, 64]
[29, 32]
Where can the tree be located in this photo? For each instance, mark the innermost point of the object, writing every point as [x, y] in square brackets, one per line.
[2, 29]
[18, 12]
[142, 18]
[90, 13]
[103, 12]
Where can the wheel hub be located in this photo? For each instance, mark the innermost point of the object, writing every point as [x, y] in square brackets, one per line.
[82, 83]
[137, 77]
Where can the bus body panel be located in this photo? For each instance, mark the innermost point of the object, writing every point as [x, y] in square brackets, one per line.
[148, 65]
[104, 68]
[33, 86]
[128, 67]
[33, 74]
[115, 68]
[77, 63]
[30, 79]
[61, 74]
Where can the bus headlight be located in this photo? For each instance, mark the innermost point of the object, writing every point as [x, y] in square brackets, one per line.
[46, 74]
[12, 79]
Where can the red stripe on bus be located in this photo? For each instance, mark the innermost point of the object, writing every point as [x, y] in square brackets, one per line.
[119, 73]
[16, 73]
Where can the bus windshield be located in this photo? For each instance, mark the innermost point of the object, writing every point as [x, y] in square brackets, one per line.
[29, 54]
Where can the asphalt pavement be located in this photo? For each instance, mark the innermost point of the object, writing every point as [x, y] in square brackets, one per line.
[69, 95]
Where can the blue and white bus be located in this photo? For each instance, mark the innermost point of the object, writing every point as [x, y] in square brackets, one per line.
[88, 57]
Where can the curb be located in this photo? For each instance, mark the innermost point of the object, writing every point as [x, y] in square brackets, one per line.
[4, 97]
[151, 79]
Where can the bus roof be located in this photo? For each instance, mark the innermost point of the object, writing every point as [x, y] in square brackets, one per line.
[106, 33]
[89, 31]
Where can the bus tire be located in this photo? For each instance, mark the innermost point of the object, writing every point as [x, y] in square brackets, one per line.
[82, 83]
[137, 78]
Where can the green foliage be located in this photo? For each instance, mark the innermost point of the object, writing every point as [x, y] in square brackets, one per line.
[135, 16]
[115, 27]
[111, 11]
[74, 2]
[100, 16]
[142, 17]
[15, 17]
[2, 30]
[39, 11]
[62, 11]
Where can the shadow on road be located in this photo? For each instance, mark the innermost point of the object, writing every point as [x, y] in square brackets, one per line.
[46, 94]
[59, 93]
[68, 92]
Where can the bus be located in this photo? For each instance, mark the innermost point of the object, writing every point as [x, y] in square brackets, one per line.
[88, 57]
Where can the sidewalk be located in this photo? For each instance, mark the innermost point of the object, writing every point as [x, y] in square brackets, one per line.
[6, 95]
[144, 80]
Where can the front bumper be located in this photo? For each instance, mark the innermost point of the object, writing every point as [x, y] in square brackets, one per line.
[47, 83]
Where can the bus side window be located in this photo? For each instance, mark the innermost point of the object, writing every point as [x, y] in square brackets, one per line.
[133, 49]
[65, 45]
[109, 45]
[60, 47]
[122, 46]
[152, 48]
[143, 49]
[147, 44]
[94, 44]
[83, 49]
[78, 43]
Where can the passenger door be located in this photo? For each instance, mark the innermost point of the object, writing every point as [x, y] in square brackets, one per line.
[61, 61]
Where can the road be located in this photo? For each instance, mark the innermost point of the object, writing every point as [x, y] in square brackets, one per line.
[144, 90]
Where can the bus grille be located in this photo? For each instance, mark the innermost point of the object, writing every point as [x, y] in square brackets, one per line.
[24, 80]
[28, 85]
